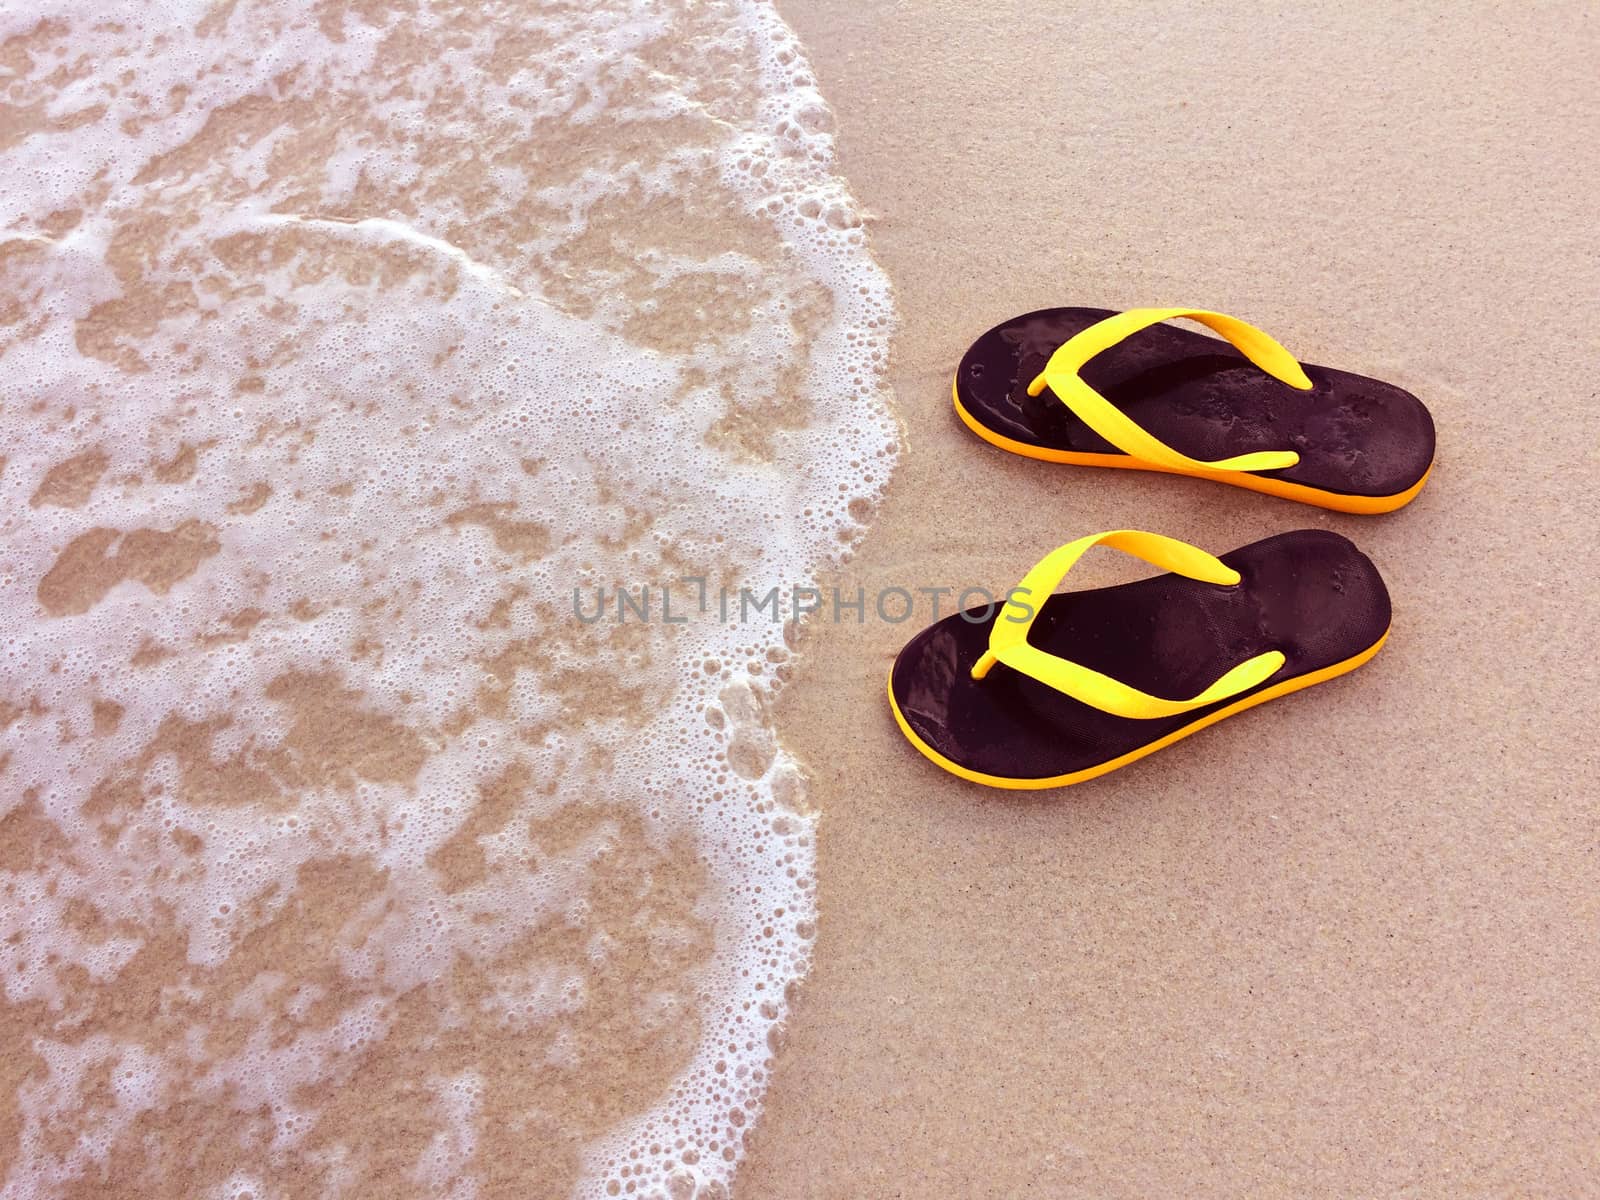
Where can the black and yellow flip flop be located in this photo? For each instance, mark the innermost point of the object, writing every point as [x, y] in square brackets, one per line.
[1097, 388]
[1046, 690]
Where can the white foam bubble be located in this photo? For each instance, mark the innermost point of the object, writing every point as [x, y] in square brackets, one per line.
[447, 314]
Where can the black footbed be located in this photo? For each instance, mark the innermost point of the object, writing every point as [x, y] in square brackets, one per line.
[1309, 594]
[1355, 436]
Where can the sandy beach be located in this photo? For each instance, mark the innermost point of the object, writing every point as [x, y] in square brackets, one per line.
[344, 344]
[1343, 945]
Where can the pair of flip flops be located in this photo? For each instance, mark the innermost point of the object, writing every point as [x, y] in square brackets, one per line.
[1049, 689]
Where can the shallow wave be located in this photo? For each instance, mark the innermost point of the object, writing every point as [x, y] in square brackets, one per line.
[339, 343]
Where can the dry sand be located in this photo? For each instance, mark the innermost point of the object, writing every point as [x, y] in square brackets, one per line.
[1345, 944]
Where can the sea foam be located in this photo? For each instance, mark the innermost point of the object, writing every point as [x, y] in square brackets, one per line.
[339, 343]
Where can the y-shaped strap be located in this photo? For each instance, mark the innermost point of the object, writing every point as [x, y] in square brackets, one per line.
[1100, 415]
[1008, 636]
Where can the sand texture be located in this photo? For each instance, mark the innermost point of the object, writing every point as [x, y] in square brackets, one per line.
[1345, 944]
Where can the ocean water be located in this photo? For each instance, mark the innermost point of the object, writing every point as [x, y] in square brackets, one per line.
[340, 342]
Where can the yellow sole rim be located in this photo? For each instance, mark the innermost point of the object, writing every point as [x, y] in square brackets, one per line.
[1337, 501]
[1310, 679]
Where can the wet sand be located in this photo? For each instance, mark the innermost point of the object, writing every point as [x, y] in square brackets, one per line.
[341, 346]
[1344, 944]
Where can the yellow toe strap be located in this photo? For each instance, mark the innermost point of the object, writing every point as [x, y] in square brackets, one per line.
[1008, 636]
[1099, 414]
